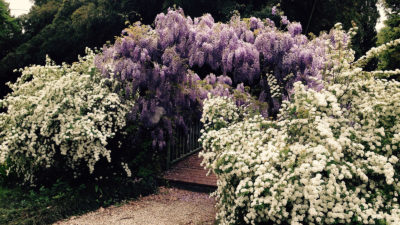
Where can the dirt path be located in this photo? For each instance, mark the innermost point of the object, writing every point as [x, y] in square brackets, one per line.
[170, 206]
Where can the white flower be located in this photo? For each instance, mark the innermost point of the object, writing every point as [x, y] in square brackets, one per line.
[66, 110]
[320, 164]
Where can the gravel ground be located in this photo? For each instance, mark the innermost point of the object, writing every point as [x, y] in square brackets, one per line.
[170, 206]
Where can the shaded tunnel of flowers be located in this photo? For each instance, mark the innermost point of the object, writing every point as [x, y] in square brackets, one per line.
[294, 128]
[165, 64]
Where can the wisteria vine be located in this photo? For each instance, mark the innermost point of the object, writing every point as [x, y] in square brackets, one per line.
[166, 64]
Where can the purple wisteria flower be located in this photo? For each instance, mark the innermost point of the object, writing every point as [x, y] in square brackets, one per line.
[164, 65]
[274, 11]
[294, 29]
[284, 20]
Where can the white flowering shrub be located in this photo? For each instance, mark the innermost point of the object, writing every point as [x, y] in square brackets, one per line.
[219, 113]
[331, 157]
[59, 117]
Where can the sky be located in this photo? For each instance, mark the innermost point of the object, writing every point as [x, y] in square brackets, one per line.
[382, 18]
[19, 7]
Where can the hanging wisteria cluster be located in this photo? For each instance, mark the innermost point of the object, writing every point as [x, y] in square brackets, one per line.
[165, 64]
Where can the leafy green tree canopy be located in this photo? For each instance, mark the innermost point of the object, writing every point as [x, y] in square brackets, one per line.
[390, 60]
[392, 5]
[62, 29]
[9, 29]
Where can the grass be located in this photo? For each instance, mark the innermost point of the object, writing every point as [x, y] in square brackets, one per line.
[43, 206]
[47, 205]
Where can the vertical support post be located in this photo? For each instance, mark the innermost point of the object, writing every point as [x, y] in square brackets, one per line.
[183, 143]
[191, 137]
[197, 134]
[182, 152]
[169, 154]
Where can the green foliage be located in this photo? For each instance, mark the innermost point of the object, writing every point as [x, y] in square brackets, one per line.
[43, 206]
[223, 10]
[392, 5]
[62, 29]
[39, 17]
[390, 60]
[10, 30]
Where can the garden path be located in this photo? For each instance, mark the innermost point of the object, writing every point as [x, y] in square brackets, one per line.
[170, 206]
[189, 171]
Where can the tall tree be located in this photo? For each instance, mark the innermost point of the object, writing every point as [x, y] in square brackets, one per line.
[392, 5]
[10, 29]
[62, 29]
[390, 60]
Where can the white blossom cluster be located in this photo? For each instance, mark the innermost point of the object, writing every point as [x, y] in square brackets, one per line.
[219, 113]
[331, 157]
[275, 89]
[64, 112]
[376, 51]
[385, 73]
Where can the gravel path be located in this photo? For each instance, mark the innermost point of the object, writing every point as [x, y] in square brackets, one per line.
[170, 206]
